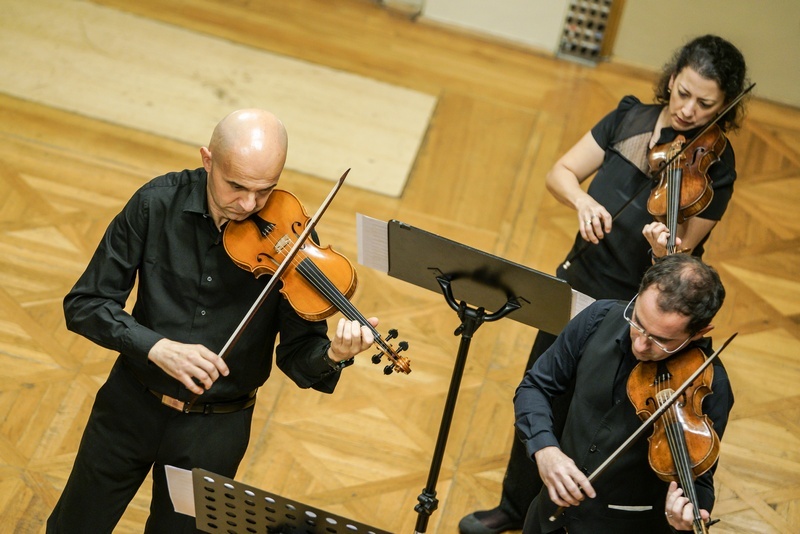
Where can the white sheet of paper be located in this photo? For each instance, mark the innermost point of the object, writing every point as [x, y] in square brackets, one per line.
[579, 302]
[373, 242]
[181, 490]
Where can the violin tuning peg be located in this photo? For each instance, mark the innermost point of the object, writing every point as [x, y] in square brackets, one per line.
[392, 334]
[388, 369]
[376, 358]
[403, 345]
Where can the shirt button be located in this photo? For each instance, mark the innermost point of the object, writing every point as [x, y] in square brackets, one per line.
[593, 448]
[208, 279]
[203, 312]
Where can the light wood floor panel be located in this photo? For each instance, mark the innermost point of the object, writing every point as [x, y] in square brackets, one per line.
[113, 66]
[503, 116]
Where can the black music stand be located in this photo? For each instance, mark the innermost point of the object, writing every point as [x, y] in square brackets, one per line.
[483, 280]
[223, 505]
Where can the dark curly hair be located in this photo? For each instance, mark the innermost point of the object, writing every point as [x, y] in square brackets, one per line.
[687, 286]
[714, 58]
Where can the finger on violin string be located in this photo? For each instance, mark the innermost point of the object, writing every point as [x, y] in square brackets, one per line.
[343, 328]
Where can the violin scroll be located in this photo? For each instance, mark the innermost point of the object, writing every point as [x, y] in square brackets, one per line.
[398, 363]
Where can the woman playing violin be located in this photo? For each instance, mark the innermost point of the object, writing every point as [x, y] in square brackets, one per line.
[598, 350]
[704, 76]
[190, 298]
[609, 256]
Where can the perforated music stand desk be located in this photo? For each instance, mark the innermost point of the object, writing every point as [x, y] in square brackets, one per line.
[224, 506]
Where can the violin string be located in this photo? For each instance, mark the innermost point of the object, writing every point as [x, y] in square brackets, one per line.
[673, 204]
[323, 284]
[314, 274]
[295, 263]
[319, 280]
[280, 251]
[673, 427]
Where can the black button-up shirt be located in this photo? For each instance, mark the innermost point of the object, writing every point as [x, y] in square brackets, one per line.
[189, 291]
[553, 372]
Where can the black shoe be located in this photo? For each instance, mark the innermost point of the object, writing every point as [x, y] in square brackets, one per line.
[491, 521]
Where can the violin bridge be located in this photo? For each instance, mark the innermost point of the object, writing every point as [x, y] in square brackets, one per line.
[282, 243]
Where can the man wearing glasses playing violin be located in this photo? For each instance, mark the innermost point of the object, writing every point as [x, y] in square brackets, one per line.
[595, 354]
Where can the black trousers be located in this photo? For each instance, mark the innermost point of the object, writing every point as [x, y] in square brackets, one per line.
[522, 483]
[130, 433]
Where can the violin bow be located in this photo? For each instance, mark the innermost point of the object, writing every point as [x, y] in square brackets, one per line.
[683, 149]
[287, 261]
[650, 420]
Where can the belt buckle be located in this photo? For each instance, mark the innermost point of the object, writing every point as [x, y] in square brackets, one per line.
[173, 402]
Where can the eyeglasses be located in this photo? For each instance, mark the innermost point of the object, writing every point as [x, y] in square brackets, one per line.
[649, 337]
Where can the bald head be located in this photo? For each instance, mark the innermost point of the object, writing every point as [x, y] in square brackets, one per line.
[244, 160]
[249, 134]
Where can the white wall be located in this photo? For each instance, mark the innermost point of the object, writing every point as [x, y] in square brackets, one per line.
[767, 32]
[537, 23]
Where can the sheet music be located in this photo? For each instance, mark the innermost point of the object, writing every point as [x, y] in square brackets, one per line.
[579, 302]
[181, 490]
[373, 242]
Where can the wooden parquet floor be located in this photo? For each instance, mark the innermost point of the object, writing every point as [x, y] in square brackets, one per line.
[503, 116]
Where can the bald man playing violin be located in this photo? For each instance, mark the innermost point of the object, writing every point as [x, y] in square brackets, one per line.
[190, 299]
[597, 351]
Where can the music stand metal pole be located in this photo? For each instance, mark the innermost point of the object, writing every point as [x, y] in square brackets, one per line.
[471, 320]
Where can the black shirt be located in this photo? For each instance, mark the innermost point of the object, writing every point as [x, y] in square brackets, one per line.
[188, 291]
[553, 372]
[613, 268]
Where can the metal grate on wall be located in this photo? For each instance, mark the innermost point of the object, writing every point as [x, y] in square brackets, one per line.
[588, 29]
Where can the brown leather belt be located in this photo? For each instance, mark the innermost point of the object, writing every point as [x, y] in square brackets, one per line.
[209, 408]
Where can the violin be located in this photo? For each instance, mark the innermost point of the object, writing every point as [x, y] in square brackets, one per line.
[317, 282]
[666, 400]
[684, 188]
[684, 444]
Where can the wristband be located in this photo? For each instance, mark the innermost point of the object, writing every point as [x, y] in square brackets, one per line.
[335, 366]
